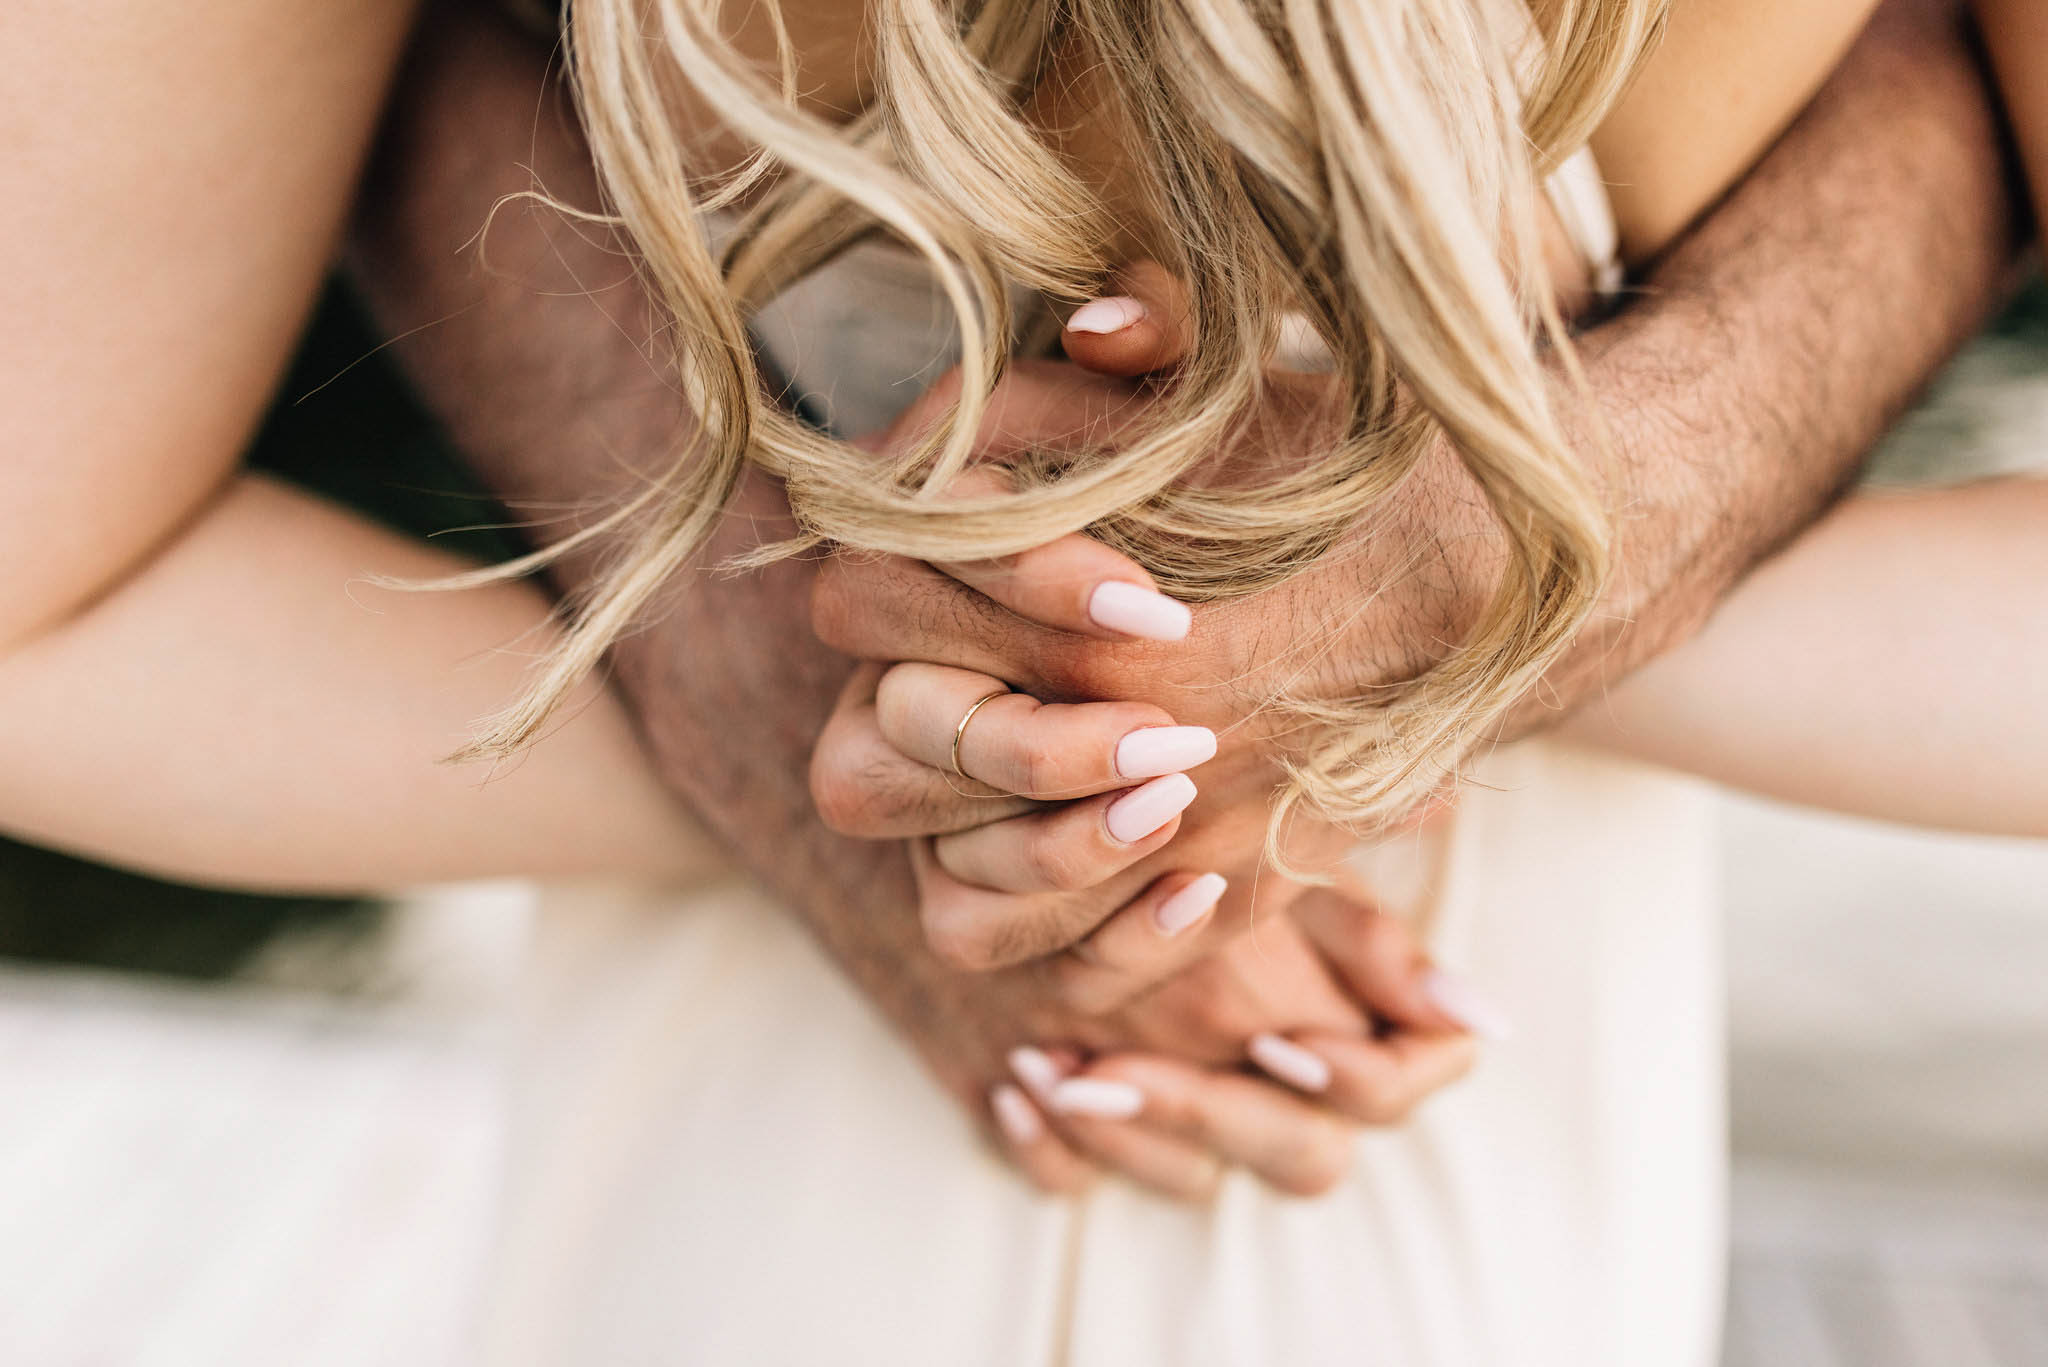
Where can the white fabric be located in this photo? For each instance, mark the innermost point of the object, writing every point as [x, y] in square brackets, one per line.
[726, 1157]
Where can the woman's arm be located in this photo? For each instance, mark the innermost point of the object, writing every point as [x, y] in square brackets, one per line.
[247, 709]
[186, 682]
[1893, 662]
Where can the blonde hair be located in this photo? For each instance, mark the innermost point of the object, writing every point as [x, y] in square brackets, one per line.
[1371, 164]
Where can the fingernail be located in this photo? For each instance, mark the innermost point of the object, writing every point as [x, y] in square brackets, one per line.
[1144, 810]
[1112, 313]
[1015, 1113]
[1466, 1005]
[1138, 611]
[1097, 1097]
[1288, 1061]
[1190, 904]
[1035, 1069]
[1155, 750]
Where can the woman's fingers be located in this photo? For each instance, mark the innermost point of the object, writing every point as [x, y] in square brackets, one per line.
[1016, 744]
[885, 767]
[1077, 584]
[1374, 1081]
[1072, 847]
[1074, 583]
[1378, 959]
[1087, 1115]
[865, 786]
[1148, 940]
[1047, 1159]
[978, 930]
[1290, 1143]
[1144, 328]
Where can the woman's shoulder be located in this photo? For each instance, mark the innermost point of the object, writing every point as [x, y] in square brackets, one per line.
[1726, 80]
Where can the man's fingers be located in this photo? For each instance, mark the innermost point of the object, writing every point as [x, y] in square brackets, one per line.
[1015, 744]
[1372, 1081]
[1290, 1143]
[1144, 328]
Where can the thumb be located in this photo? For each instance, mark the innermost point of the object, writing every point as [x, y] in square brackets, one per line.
[1142, 330]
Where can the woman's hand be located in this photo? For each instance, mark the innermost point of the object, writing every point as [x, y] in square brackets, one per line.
[1336, 1005]
[1044, 842]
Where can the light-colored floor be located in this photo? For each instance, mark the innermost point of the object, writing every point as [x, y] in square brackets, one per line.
[195, 1178]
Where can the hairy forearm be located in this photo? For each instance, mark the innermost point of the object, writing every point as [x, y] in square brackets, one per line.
[539, 361]
[1772, 346]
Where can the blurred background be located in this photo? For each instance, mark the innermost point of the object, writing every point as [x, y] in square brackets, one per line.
[280, 1113]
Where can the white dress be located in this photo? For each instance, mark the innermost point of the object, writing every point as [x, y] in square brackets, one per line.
[725, 1157]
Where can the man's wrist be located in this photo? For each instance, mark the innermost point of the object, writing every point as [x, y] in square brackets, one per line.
[1773, 345]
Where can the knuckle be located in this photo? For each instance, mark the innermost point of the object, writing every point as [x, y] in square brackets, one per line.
[855, 798]
[895, 699]
[840, 804]
[833, 605]
[958, 935]
[1058, 864]
[1039, 767]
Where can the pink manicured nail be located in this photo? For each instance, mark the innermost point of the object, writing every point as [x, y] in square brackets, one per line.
[1112, 313]
[1466, 1005]
[1015, 1113]
[1190, 904]
[1288, 1061]
[1138, 611]
[1097, 1097]
[1035, 1069]
[1144, 810]
[1156, 750]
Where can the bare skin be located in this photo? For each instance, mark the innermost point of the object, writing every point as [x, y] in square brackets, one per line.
[1838, 234]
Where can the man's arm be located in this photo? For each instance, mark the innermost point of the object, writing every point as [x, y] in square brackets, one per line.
[1734, 397]
[539, 359]
[1775, 344]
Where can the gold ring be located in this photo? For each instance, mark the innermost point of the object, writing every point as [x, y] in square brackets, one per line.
[961, 730]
